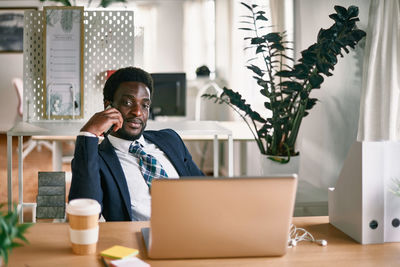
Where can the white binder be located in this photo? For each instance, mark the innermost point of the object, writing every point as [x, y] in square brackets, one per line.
[361, 205]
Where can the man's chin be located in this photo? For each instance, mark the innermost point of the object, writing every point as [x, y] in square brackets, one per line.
[129, 134]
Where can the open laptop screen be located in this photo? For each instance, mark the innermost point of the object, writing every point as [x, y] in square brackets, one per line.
[206, 217]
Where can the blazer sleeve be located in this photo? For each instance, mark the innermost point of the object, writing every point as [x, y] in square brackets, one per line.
[85, 170]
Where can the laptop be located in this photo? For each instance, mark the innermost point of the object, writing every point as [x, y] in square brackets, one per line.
[204, 217]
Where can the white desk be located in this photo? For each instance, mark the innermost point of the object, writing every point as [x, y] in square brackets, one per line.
[240, 130]
[188, 130]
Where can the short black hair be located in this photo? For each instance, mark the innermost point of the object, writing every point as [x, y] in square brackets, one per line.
[128, 74]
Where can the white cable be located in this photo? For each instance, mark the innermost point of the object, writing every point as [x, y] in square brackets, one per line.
[297, 235]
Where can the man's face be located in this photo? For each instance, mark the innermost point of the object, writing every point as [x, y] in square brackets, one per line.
[132, 99]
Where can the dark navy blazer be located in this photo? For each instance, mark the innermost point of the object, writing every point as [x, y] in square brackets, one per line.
[97, 172]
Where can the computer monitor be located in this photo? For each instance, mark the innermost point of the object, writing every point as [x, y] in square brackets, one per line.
[169, 98]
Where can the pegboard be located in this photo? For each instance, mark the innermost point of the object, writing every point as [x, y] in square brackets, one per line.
[108, 45]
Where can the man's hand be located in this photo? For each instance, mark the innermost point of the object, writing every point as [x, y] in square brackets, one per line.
[102, 121]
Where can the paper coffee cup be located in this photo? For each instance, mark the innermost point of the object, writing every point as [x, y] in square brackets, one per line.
[83, 216]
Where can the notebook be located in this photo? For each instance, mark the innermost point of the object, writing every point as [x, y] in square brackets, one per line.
[204, 217]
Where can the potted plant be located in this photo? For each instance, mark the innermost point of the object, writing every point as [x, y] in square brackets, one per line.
[10, 231]
[286, 88]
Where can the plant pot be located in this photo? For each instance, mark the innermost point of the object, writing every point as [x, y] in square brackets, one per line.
[265, 166]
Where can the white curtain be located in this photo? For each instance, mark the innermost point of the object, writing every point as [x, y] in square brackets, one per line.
[145, 20]
[198, 36]
[380, 99]
[280, 16]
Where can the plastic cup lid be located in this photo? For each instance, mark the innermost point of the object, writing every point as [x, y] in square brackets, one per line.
[83, 207]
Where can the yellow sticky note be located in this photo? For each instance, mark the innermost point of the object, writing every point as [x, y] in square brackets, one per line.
[119, 252]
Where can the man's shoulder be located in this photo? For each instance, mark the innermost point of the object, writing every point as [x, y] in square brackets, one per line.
[160, 133]
[162, 136]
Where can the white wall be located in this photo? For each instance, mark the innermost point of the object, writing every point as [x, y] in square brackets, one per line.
[169, 48]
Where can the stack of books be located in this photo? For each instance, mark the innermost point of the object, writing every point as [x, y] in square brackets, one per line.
[51, 195]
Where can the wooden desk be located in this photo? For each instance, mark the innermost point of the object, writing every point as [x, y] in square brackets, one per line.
[49, 246]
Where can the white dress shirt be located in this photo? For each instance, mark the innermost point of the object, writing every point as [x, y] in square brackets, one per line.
[138, 189]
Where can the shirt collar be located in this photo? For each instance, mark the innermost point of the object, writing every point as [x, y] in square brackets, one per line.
[122, 144]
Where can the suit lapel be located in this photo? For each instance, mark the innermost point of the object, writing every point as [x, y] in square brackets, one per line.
[169, 151]
[107, 152]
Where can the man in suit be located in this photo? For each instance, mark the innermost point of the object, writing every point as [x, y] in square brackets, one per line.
[114, 173]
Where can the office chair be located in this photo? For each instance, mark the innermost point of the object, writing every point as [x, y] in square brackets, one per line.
[210, 85]
[31, 143]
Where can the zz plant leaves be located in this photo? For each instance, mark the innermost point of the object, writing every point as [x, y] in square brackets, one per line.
[287, 89]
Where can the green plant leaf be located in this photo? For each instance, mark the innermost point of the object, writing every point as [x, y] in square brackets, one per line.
[63, 2]
[311, 103]
[301, 71]
[291, 85]
[341, 11]
[247, 6]
[352, 11]
[358, 35]
[260, 49]
[261, 17]
[237, 100]
[279, 160]
[272, 37]
[303, 95]
[287, 57]
[264, 85]
[255, 69]
[16, 245]
[106, 3]
[264, 129]
[287, 91]
[277, 46]
[10, 230]
[257, 40]
[4, 255]
[316, 80]
[246, 29]
[335, 17]
[285, 73]
[247, 22]
[248, 17]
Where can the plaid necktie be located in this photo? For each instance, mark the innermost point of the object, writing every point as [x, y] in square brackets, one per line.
[151, 168]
